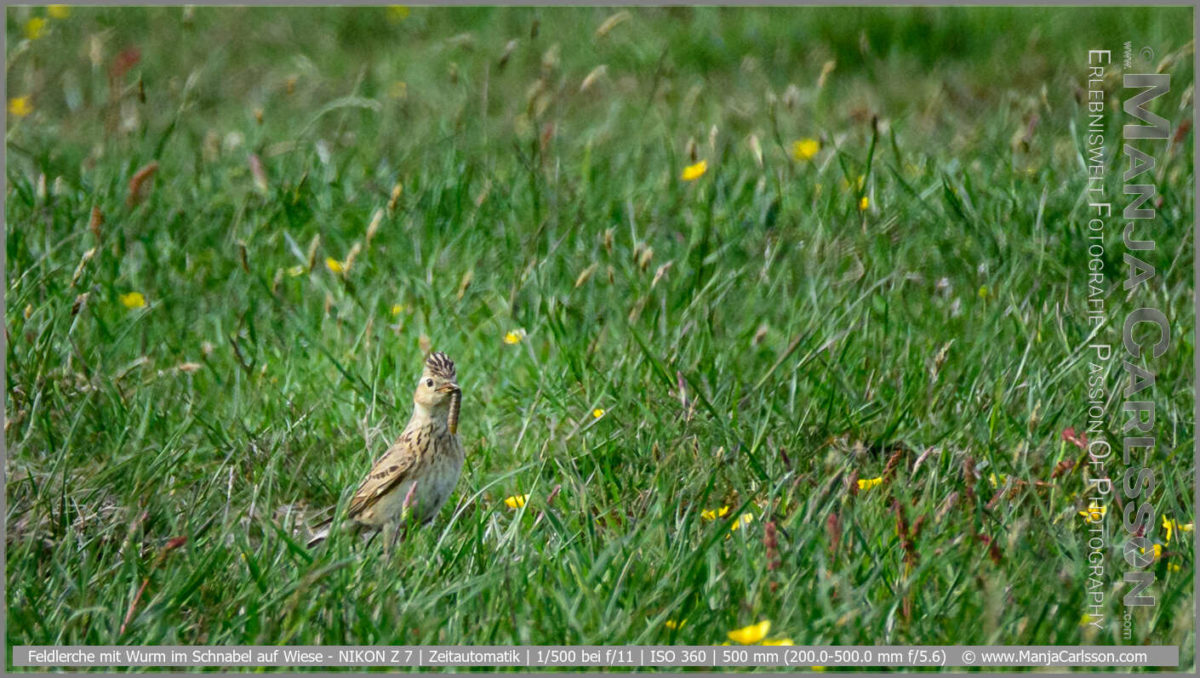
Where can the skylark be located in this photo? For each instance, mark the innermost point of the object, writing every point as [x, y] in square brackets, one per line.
[415, 477]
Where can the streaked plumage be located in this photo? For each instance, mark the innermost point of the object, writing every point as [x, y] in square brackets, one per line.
[417, 474]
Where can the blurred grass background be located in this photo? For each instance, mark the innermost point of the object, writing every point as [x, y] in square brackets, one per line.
[333, 184]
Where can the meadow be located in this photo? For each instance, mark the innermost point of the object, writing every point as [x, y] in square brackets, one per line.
[759, 314]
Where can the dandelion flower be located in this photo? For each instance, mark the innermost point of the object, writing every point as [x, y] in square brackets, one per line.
[674, 625]
[805, 149]
[35, 28]
[694, 172]
[514, 336]
[335, 265]
[516, 501]
[868, 483]
[1094, 513]
[597, 413]
[20, 106]
[749, 635]
[133, 300]
[713, 514]
[58, 11]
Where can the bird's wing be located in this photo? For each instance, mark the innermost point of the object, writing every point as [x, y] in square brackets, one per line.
[393, 467]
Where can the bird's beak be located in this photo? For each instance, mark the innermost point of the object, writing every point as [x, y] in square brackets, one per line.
[449, 388]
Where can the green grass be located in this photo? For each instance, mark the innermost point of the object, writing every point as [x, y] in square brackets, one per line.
[754, 338]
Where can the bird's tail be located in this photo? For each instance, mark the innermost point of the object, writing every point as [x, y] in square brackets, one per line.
[321, 530]
[320, 533]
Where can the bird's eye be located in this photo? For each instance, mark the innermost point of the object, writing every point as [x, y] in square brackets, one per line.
[429, 383]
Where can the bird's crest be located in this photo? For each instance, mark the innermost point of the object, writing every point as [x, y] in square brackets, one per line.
[439, 364]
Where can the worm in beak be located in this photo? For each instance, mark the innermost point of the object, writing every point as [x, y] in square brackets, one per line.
[455, 404]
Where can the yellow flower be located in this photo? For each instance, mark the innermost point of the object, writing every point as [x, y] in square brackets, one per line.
[675, 625]
[20, 106]
[397, 309]
[336, 266]
[296, 271]
[746, 519]
[397, 13]
[1094, 513]
[694, 172]
[133, 300]
[1174, 567]
[514, 336]
[805, 149]
[868, 483]
[1157, 551]
[713, 514]
[751, 634]
[1171, 525]
[58, 11]
[35, 27]
[984, 292]
[864, 203]
[778, 642]
[597, 413]
[516, 501]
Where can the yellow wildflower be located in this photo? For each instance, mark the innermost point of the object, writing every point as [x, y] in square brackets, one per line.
[58, 11]
[516, 501]
[675, 625]
[336, 266]
[1174, 567]
[805, 149]
[868, 483]
[35, 28]
[20, 106]
[133, 300]
[514, 336]
[749, 635]
[1094, 513]
[984, 292]
[397, 309]
[597, 413]
[713, 514]
[746, 519]
[778, 642]
[1171, 525]
[864, 203]
[694, 172]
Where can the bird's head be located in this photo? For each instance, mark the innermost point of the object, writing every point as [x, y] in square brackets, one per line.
[438, 383]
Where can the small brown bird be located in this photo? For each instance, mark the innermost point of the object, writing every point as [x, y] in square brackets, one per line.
[415, 477]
